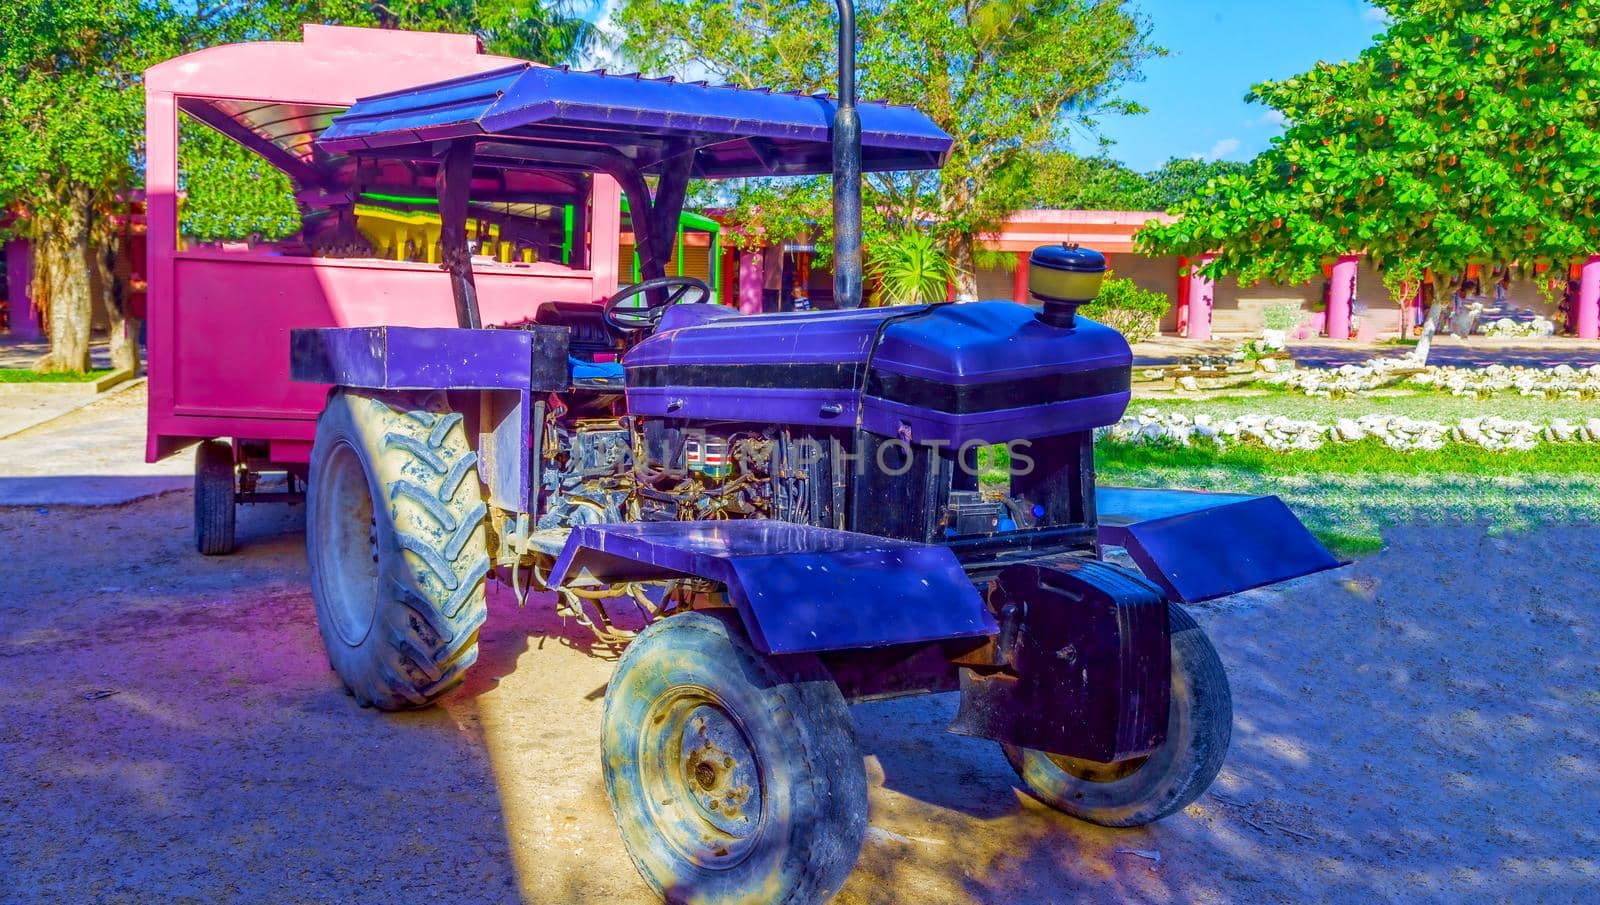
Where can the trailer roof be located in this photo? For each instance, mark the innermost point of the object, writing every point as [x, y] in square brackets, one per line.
[532, 108]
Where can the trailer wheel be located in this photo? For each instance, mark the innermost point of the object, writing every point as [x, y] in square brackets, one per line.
[213, 498]
[733, 776]
[1144, 790]
[397, 546]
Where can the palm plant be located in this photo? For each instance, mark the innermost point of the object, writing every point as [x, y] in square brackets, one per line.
[909, 268]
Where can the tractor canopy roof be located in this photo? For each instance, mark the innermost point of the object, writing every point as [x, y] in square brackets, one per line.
[558, 118]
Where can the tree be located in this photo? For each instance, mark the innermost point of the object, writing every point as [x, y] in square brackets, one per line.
[68, 103]
[1066, 181]
[545, 31]
[1063, 181]
[1183, 179]
[1007, 79]
[71, 123]
[230, 192]
[1465, 135]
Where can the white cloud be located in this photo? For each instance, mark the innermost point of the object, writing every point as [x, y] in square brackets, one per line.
[1375, 16]
[1223, 148]
[1271, 118]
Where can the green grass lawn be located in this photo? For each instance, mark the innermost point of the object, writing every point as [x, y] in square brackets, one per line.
[27, 375]
[1350, 493]
[1433, 405]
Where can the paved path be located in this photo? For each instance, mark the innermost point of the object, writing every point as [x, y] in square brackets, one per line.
[15, 354]
[23, 405]
[91, 456]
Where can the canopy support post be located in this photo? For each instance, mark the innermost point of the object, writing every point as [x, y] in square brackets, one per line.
[847, 169]
[455, 183]
[580, 225]
[667, 206]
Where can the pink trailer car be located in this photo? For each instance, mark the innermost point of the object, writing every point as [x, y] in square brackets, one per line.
[220, 315]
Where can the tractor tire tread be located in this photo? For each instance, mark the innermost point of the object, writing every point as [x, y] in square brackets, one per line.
[433, 601]
[215, 508]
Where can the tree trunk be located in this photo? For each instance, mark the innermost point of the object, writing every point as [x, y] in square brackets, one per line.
[114, 295]
[61, 283]
[966, 270]
[956, 197]
[1431, 325]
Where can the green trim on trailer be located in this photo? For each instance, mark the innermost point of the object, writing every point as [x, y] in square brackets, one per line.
[567, 217]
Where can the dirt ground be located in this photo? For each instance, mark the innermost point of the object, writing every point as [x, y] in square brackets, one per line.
[1422, 726]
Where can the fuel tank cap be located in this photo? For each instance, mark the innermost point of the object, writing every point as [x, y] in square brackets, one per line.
[1063, 277]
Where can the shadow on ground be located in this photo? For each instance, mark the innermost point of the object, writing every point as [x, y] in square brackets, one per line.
[1419, 727]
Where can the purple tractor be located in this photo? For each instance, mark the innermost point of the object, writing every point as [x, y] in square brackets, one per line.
[794, 501]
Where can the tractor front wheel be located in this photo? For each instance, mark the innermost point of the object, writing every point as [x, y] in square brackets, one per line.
[1144, 790]
[397, 546]
[733, 776]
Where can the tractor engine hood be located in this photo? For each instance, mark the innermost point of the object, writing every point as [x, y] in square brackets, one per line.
[984, 371]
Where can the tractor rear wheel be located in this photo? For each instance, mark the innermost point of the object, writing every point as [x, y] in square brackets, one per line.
[397, 546]
[1144, 790]
[213, 498]
[733, 776]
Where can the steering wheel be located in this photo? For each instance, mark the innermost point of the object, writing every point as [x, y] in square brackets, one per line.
[660, 294]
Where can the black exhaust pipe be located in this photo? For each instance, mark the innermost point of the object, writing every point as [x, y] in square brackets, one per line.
[847, 169]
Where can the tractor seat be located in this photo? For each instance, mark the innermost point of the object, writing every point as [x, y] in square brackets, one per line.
[586, 321]
[584, 373]
[590, 336]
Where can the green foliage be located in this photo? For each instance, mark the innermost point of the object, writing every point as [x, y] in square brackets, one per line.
[1066, 181]
[909, 268]
[545, 31]
[1006, 78]
[233, 194]
[69, 97]
[1124, 305]
[1282, 317]
[1466, 134]
[230, 192]
[72, 104]
[1183, 179]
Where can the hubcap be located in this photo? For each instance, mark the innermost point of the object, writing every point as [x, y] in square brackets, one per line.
[347, 553]
[701, 778]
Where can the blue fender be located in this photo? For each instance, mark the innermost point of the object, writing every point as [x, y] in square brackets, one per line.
[1198, 545]
[799, 589]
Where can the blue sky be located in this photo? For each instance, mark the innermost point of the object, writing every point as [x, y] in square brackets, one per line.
[1219, 48]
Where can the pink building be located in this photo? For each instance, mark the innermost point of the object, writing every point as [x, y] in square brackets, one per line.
[1350, 301]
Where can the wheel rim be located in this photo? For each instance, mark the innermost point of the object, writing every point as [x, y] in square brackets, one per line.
[347, 551]
[1095, 771]
[701, 778]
